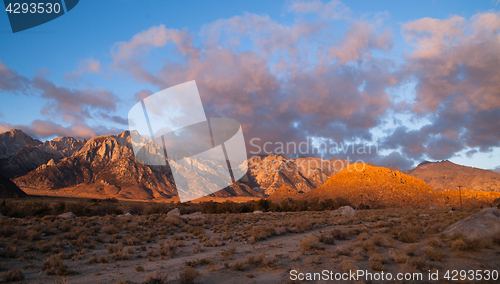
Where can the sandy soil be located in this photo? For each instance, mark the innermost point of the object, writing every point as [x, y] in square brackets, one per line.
[241, 248]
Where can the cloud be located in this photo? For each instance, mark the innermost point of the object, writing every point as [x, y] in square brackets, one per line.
[114, 118]
[89, 65]
[127, 55]
[360, 38]
[142, 94]
[11, 81]
[73, 105]
[455, 64]
[283, 74]
[44, 129]
[471, 153]
[288, 82]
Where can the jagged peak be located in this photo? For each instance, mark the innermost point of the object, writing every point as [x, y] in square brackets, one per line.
[67, 138]
[18, 133]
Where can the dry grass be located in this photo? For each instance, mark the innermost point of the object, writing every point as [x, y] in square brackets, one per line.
[230, 244]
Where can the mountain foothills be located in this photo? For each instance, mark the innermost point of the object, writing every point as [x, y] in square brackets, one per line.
[105, 166]
[447, 175]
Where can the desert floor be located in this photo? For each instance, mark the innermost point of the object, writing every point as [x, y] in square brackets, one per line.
[241, 248]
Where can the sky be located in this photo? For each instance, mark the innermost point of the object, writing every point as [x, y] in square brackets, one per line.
[413, 80]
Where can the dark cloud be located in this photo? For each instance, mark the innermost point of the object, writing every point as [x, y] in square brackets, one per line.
[114, 118]
[471, 153]
[455, 64]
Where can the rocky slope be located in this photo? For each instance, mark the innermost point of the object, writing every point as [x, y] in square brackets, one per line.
[393, 168]
[301, 174]
[447, 175]
[105, 166]
[283, 193]
[376, 187]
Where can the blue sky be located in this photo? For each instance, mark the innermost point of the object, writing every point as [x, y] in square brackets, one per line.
[286, 70]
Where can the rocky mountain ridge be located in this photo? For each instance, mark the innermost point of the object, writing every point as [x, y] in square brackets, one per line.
[105, 166]
[33, 153]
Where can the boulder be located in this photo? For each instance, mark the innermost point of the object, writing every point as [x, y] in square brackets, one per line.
[347, 211]
[480, 225]
[257, 212]
[67, 215]
[125, 215]
[193, 216]
[174, 213]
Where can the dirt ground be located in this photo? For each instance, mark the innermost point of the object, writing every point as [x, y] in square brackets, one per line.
[242, 248]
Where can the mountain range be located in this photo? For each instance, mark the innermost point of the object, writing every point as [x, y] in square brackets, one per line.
[105, 166]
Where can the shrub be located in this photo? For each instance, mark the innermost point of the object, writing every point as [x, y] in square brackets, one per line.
[188, 275]
[434, 243]
[309, 243]
[97, 259]
[377, 240]
[168, 247]
[238, 265]
[228, 253]
[327, 239]
[461, 243]
[433, 253]
[347, 266]
[409, 235]
[12, 275]
[139, 268]
[259, 260]
[10, 251]
[411, 250]
[54, 266]
[418, 263]
[377, 262]
[213, 242]
[399, 257]
[157, 278]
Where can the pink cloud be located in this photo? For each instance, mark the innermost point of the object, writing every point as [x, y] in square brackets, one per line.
[11, 81]
[73, 105]
[89, 65]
